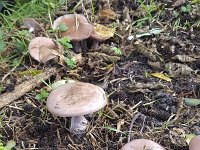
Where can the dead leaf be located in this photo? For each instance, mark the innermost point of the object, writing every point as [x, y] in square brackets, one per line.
[149, 53]
[184, 58]
[161, 76]
[107, 13]
[178, 69]
[103, 32]
[103, 57]
[179, 3]
[155, 65]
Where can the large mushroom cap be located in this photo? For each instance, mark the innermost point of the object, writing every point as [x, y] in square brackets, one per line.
[142, 144]
[78, 27]
[76, 99]
[40, 48]
[195, 143]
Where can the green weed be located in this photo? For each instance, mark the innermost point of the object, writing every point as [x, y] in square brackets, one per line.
[117, 51]
[9, 145]
[42, 95]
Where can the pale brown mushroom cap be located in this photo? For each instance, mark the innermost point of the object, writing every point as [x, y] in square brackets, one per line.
[195, 143]
[142, 144]
[78, 27]
[76, 99]
[40, 48]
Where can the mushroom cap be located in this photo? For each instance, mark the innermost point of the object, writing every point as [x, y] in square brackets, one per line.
[101, 32]
[78, 26]
[76, 99]
[31, 23]
[40, 48]
[142, 144]
[195, 143]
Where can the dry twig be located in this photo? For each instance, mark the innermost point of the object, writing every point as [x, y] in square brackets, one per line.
[24, 87]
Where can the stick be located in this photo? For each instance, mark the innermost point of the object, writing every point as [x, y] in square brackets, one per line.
[131, 125]
[24, 87]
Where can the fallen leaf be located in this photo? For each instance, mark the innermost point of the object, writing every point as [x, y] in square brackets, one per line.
[191, 101]
[184, 58]
[178, 69]
[149, 53]
[161, 76]
[107, 13]
[103, 31]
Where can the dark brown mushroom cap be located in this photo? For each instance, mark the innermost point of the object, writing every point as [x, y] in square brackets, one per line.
[40, 48]
[78, 27]
[76, 99]
[101, 32]
[142, 144]
[195, 143]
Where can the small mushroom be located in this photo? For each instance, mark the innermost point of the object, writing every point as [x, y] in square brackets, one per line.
[100, 33]
[142, 144]
[43, 49]
[32, 25]
[195, 143]
[78, 29]
[76, 100]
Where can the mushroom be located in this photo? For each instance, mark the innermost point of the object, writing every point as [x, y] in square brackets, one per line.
[142, 144]
[43, 49]
[78, 29]
[100, 33]
[76, 100]
[32, 25]
[195, 143]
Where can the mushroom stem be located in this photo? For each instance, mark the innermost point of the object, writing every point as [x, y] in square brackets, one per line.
[76, 46]
[78, 124]
[84, 45]
[95, 44]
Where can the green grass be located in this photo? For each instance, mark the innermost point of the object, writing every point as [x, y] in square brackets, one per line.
[11, 34]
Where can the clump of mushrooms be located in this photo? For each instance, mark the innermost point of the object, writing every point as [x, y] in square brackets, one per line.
[195, 143]
[44, 49]
[76, 100]
[78, 29]
[142, 144]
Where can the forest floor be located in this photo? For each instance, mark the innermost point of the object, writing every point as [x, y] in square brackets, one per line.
[149, 70]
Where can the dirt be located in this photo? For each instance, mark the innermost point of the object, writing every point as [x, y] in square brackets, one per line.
[139, 105]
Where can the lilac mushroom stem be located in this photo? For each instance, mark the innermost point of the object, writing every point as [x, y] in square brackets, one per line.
[95, 44]
[84, 45]
[78, 124]
[76, 46]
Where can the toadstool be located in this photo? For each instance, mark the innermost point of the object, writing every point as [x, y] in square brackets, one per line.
[32, 25]
[195, 143]
[43, 49]
[76, 100]
[100, 33]
[142, 144]
[78, 29]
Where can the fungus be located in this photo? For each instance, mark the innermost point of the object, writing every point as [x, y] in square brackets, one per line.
[32, 25]
[195, 143]
[76, 100]
[142, 144]
[78, 29]
[43, 49]
[100, 33]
